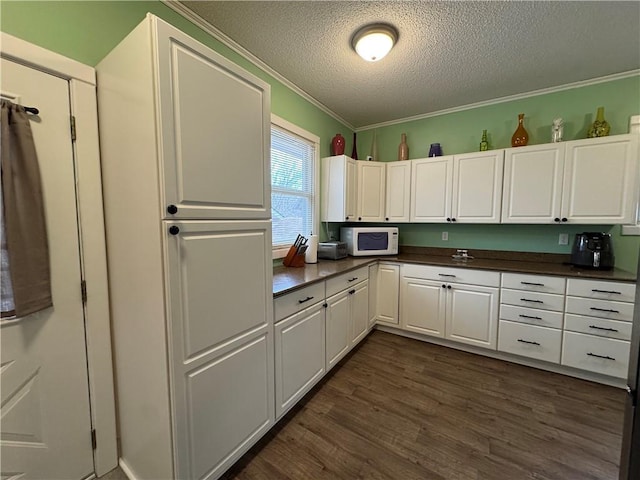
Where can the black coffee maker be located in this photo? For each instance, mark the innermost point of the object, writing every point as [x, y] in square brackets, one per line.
[593, 250]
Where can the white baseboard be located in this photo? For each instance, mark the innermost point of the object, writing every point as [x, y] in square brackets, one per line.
[125, 468]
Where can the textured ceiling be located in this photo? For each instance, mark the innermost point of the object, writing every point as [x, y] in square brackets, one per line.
[449, 54]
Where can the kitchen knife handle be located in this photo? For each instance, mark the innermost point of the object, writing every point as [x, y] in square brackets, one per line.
[529, 342]
[606, 357]
[305, 300]
[603, 328]
[531, 301]
[608, 310]
[606, 291]
[533, 284]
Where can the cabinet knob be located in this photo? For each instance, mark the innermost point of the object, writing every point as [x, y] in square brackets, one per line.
[346, 218]
[453, 219]
[449, 287]
[444, 286]
[351, 292]
[172, 209]
[387, 219]
[359, 218]
[448, 219]
[173, 230]
[325, 305]
[564, 219]
[556, 219]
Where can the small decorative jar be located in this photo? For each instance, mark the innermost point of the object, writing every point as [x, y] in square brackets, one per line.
[403, 148]
[435, 150]
[520, 137]
[600, 127]
[557, 130]
[337, 144]
[484, 144]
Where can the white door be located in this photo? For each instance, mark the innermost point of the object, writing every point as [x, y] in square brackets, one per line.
[472, 315]
[371, 182]
[46, 425]
[359, 311]
[533, 184]
[398, 191]
[337, 327]
[351, 189]
[477, 187]
[431, 182]
[387, 299]
[422, 306]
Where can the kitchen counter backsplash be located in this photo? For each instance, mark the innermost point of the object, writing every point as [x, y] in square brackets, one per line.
[288, 279]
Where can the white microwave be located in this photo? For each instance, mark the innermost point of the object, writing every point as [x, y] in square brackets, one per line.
[370, 240]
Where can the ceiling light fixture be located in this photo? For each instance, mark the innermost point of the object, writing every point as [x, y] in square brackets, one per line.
[373, 42]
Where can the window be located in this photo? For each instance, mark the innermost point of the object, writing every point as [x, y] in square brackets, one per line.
[294, 184]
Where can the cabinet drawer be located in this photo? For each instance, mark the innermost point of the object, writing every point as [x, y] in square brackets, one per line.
[532, 316]
[452, 275]
[599, 289]
[541, 301]
[346, 280]
[534, 283]
[530, 341]
[299, 300]
[596, 354]
[600, 308]
[598, 326]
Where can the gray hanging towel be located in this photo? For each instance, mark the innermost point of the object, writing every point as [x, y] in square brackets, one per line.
[24, 227]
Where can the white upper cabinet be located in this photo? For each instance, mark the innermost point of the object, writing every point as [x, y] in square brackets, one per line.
[457, 188]
[477, 187]
[398, 191]
[214, 149]
[600, 180]
[590, 181]
[431, 184]
[370, 196]
[533, 184]
[339, 188]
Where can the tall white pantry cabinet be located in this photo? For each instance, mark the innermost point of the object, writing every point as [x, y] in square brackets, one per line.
[185, 151]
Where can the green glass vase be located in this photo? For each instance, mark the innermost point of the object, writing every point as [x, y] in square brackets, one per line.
[599, 128]
[484, 144]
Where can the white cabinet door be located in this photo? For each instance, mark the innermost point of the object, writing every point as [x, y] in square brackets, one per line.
[472, 315]
[373, 293]
[338, 328]
[300, 355]
[215, 133]
[532, 190]
[339, 188]
[422, 306]
[431, 184]
[388, 292]
[359, 311]
[398, 191]
[221, 340]
[370, 197]
[477, 187]
[600, 180]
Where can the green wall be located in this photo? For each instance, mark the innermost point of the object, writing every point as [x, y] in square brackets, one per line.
[87, 30]
[460, 132]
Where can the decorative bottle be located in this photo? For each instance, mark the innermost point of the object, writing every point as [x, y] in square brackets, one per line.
[337, 144]
[435, 150]
[557, 130]
[403, 148]
[520, 137]
[354, 151]
[600, 127]
[484, 144]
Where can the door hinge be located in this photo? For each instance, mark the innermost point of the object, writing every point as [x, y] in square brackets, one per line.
[94, 442]
[73, 128]
[83, 290]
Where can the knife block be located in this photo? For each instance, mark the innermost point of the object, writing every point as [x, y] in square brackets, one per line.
[292, 259]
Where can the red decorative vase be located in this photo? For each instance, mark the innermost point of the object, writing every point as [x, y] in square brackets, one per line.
[337, 144]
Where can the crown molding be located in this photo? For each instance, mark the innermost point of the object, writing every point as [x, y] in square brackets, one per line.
[200, 22]
[510, 98]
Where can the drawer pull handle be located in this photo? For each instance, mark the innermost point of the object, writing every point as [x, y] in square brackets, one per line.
[606, 291]
[603, 328]
[527, 341]
[533, 284]
[352, 279]
[351, 292]
[529, 316]
[446, 275]
[305, 300]
[604, 310]
[532, 301]
[606, 357]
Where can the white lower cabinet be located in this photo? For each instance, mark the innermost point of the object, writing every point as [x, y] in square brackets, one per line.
[388, 290]
[433, 303]
[300, 355]
[373, 293]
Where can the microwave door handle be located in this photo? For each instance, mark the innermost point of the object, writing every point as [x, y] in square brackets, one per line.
[596, 258]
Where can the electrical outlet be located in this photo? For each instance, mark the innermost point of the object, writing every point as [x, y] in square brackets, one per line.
[563, 239]
[445, 236]
[332, 235]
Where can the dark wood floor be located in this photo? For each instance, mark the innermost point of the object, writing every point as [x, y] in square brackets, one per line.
[401, 409]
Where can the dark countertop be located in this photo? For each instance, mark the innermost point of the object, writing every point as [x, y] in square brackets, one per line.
[287, 279]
